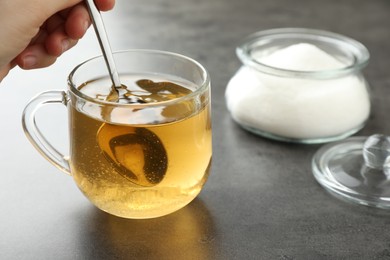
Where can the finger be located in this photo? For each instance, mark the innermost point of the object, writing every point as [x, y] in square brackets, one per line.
[34, 57]
[77, 22]
[40, 37]
[102, 5]
[53, 23]
[105, 5]
[58, 42]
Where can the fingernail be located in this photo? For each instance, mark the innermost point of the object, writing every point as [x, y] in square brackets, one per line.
[65, 45]
[29, 61]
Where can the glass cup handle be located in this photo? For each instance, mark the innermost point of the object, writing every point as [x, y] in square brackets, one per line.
[34, 134]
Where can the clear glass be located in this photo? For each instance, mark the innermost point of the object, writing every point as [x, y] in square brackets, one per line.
[302, 106]
[356, 169]
[134, 160]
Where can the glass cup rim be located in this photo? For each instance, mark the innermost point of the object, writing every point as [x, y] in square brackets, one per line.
[202, 87]
[360, 52]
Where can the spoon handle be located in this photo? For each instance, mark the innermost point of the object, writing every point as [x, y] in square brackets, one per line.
[103, 41]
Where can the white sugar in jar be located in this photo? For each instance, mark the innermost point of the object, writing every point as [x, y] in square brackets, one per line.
[300, 85]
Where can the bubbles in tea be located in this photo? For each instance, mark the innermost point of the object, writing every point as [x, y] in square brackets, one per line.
[148, 169]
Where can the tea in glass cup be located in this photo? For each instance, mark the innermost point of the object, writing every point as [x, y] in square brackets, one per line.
[135, 160]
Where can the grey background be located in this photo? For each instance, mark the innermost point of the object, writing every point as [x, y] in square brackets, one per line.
[261, 200]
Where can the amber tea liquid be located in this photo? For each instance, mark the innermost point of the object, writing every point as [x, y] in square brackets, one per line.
[141, 170]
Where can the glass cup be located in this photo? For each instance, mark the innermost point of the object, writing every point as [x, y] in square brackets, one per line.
[134, 160]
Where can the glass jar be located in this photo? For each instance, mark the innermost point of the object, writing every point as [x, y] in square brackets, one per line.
[314, 93]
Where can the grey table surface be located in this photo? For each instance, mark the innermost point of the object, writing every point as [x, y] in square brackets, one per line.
[261, 200]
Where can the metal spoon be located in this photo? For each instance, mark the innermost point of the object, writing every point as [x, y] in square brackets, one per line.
[118, 90]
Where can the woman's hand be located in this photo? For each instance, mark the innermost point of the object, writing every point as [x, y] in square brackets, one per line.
[35, 32]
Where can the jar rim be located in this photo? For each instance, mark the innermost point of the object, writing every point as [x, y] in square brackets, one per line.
[283, 37]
